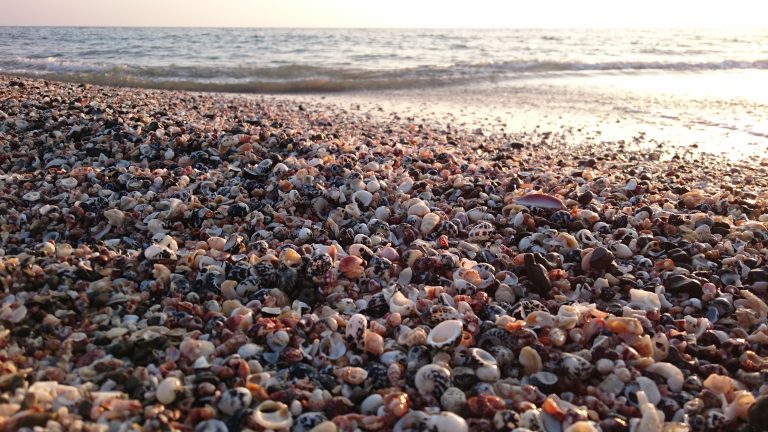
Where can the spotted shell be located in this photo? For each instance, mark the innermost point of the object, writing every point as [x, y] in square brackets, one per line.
[355, 330]
[576, 366]
[481, 232]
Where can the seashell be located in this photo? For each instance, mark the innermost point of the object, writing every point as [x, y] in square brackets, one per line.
[645, 300]
[419, 209]
[115, 217]
[273, 415]
[194, 348]
[356, 327]
[235, 399]
[621, 251]
[582, 426]
[371, 404]
[486, 366]
[400, 304]
[670, 372]
[352, 375]
[544, 380]
[428, 223]
[433, 380]
[624, 325]
[446, 422]
[412, 421]
[277, 341]
[212, 425]
[481, 232]
[541, 200]
[717, 384]
[363, 197]
[530, 359]
[351, 266]
[576, 366]
[651, 419]
[308, 420]
[373, 343]
[445, 335]
[739, 407]
[31, 196]
[167, 390]
[453, 399]
[333, 346]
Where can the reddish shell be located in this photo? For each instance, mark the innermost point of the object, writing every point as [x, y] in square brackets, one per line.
[351, 266]
[541, 200]
[485, 405]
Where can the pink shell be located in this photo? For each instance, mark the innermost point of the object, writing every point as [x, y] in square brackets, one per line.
[541, 200]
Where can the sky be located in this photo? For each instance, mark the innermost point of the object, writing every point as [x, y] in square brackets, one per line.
[387, 13]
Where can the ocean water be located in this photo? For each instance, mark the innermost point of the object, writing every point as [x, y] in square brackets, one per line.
[702, 87]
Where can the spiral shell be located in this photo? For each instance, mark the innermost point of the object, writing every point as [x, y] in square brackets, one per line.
[433, 380]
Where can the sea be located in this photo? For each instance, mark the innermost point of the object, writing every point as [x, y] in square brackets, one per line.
[694, 90]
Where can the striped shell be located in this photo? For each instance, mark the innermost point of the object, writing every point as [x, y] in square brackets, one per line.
[433, 380]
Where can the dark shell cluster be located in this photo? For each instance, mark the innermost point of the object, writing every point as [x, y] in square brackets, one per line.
[176, 261]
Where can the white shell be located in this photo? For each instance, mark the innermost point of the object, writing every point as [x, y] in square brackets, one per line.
[166, 390]
[669, 371]
[445, 335]
[646, 300]
[419, 209]
[273, 415]
[428, 223]
[363, 197]
[401, 304]
[333, 346]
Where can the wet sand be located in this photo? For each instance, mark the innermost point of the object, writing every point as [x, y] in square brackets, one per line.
[208, 262]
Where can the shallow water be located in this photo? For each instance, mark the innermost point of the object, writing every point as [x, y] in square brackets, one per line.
[699, 89]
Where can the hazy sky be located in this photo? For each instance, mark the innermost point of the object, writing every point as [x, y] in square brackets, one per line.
[386, 13]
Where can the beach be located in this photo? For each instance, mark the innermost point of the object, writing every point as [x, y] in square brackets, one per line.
[173, 260]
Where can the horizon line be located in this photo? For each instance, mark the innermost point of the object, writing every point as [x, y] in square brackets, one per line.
[381, 27]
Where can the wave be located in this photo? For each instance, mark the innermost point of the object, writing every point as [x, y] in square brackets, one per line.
[302, 78]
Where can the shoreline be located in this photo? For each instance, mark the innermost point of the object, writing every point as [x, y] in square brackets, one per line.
[213, 262]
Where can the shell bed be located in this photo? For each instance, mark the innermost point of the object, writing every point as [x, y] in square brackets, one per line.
[209, 263]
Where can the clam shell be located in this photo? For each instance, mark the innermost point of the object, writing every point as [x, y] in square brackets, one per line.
[445, 335]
